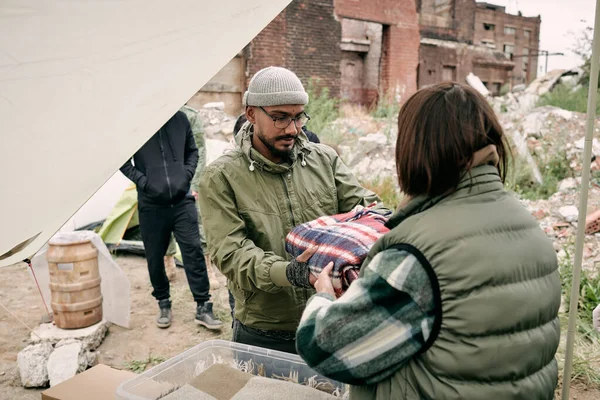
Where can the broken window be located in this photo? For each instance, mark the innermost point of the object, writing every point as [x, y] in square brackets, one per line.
[489, 27]
[497, 87]
[527, 34]
[509, 30]
[509, 50]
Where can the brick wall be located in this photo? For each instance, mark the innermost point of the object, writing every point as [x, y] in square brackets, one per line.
[305, 38]
[400, 43]
[268, 47]
[464, 15]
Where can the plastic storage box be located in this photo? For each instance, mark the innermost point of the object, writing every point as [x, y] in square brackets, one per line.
[183, 368]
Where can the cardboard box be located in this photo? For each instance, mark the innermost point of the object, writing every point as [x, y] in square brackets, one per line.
[97, 383]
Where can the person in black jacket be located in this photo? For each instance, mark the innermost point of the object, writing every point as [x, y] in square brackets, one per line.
[163, 171]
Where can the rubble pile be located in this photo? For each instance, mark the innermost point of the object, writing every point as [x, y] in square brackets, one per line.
[558, 217]
[216, 123]
[522, 100]
[55, 355]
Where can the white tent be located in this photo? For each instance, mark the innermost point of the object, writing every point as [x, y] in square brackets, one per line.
[83, 84]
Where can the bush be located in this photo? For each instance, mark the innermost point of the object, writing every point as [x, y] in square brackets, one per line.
[322, 108]
[587, 339]
[571, 99]
[387, 107]
[520, 179]
[387, 189]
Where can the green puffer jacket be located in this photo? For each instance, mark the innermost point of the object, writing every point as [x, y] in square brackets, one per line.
[250, 204]
[495, 277]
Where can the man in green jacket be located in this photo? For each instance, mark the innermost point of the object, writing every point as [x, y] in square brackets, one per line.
[251, 198]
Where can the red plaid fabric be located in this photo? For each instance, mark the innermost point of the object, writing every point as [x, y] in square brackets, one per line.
[344, 239]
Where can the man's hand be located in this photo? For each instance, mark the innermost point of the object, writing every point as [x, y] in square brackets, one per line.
[307, 254]
[195, 194]
[298, 272]
[323, 283]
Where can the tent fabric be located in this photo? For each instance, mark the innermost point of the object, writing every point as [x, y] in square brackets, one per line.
[102, 87]
[123, 217]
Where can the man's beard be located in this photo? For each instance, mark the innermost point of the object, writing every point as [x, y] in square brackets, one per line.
[270, 144]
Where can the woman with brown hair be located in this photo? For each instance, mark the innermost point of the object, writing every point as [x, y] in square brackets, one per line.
[460, 299]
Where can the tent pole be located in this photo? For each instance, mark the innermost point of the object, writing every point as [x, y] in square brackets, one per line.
[585, 181]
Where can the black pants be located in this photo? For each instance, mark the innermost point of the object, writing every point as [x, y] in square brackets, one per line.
[242, 334]
[156, 224]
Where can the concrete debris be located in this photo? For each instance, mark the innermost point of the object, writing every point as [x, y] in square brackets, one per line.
[32, 361]
[219, 105]
[567, 184]
[545, 83]
[371, 142]
[569, 213]
[524, 101]
[68, 359]
[90, 337]
[475, 83]
[216, 123]
[519, 88]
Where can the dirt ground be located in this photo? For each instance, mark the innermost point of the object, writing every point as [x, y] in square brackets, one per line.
[122, 348]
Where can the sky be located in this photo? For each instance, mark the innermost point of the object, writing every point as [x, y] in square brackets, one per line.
[561, 20]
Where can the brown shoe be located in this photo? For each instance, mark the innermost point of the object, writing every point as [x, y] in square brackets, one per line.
[170, 268]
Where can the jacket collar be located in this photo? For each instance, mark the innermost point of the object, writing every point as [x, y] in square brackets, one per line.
[257, 161]
[478, 180]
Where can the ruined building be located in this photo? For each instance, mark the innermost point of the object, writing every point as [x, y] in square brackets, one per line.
[362, 50]
[358, 49]
[463, 36]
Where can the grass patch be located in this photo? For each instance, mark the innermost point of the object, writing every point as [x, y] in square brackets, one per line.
[387, 107]
[322, 108]
[568, 98]
[139, 366]
[387, 189]
[586, 354]
[520, 178]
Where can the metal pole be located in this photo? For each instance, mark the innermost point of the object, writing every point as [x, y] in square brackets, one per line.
[585, 181]
[546, 61]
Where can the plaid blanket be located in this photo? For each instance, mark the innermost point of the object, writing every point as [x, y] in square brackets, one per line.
[344, 239]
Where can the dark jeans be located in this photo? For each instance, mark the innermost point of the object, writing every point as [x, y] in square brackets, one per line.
[241, 334]
[156, 224]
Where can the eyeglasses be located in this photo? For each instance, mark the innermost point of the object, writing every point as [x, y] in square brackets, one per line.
[283, 122]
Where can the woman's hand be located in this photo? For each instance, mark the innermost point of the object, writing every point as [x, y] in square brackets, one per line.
[323, 283]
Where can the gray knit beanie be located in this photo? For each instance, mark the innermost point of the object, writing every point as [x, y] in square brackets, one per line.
[275, 86]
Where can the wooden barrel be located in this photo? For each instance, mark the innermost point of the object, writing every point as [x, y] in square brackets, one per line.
[74, 281]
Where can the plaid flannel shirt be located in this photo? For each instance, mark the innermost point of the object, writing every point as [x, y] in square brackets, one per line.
[379, 324]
